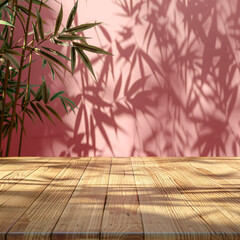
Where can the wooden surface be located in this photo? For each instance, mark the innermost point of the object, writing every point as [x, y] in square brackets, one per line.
[119, 198]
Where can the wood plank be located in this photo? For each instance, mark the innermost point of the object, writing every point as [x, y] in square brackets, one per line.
[82, 216]
[206, 198]
[166, 214]
[121, 217]
[40, 218]
[15, 201]
[226, 173]
[13, 172]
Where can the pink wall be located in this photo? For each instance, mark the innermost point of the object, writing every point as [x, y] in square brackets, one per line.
[171, 88]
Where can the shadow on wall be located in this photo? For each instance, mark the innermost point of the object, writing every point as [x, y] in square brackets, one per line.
[170, 90]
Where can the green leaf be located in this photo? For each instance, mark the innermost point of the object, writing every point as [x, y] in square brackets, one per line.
[56, 53]
[35, 32]
[58, 21]
[70, 37]
[12, 60]
[25, 10]
[69, 100]
[64, 105]
[82, 27]
[32, 92]
[72, 15]
[40, 3]
[30, 113]
[5, 23]
[52, 71]
[36, 111]
[90, 48]
[54, 113]
[5, 130]
[40, 24]
[4, 4]
[73, 59]
[40, 107]
[53, 59]
[44, 91]
[86, 61]
[56, 95]
[12, 52]
[39, 93]
[44, 62]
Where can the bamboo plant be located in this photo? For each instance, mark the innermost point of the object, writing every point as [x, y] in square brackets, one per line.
[20, 98]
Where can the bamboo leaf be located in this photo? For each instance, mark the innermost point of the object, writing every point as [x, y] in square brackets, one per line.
[5, 130]
[44, 91]
[39, 93]
[64, 105]
[56, 53]
[40, 107]
[70, 37]
[86, 61]
[82, 27]
[4, 4]
[32, 92]
[54, 113]
[35, 32]
[40, 3]
[73, 59]
[56, 95]
[40, 24]
[36, 111]
[58, 21]
[2, 22]
[30, 113]
[52, 71]
[72, 15]
[90, 48]
[12, 60]
[54, 59]
[25, 10]
[12, 52]
[44, 62]
[69, 100]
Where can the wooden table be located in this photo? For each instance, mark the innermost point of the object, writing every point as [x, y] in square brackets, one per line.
[120, 198]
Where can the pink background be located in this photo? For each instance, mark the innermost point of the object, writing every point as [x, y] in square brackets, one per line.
[171, 88]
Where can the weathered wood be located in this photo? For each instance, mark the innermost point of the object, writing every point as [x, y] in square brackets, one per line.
[14, 172]
[121, 217]
[40, 218]
[205, 197]
[15, 201]
[82, 216]
[120, 198]
[166, 213]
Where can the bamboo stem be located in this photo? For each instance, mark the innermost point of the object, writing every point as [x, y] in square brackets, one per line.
[27, 90]
[25, 105]
[6, 79]
[19, 80]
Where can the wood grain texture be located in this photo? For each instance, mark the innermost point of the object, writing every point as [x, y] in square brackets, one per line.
[166, 213]
[11, 172]
[121, 217]
[40, 218]
[120, 198]
[221, 214]
[15, 201]
[82, 216]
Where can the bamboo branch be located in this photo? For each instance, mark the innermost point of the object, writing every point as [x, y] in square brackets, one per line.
[19, 80]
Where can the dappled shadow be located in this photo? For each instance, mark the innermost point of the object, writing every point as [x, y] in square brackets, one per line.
[171, 88]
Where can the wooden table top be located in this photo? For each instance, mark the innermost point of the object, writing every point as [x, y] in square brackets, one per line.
[120, 198]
